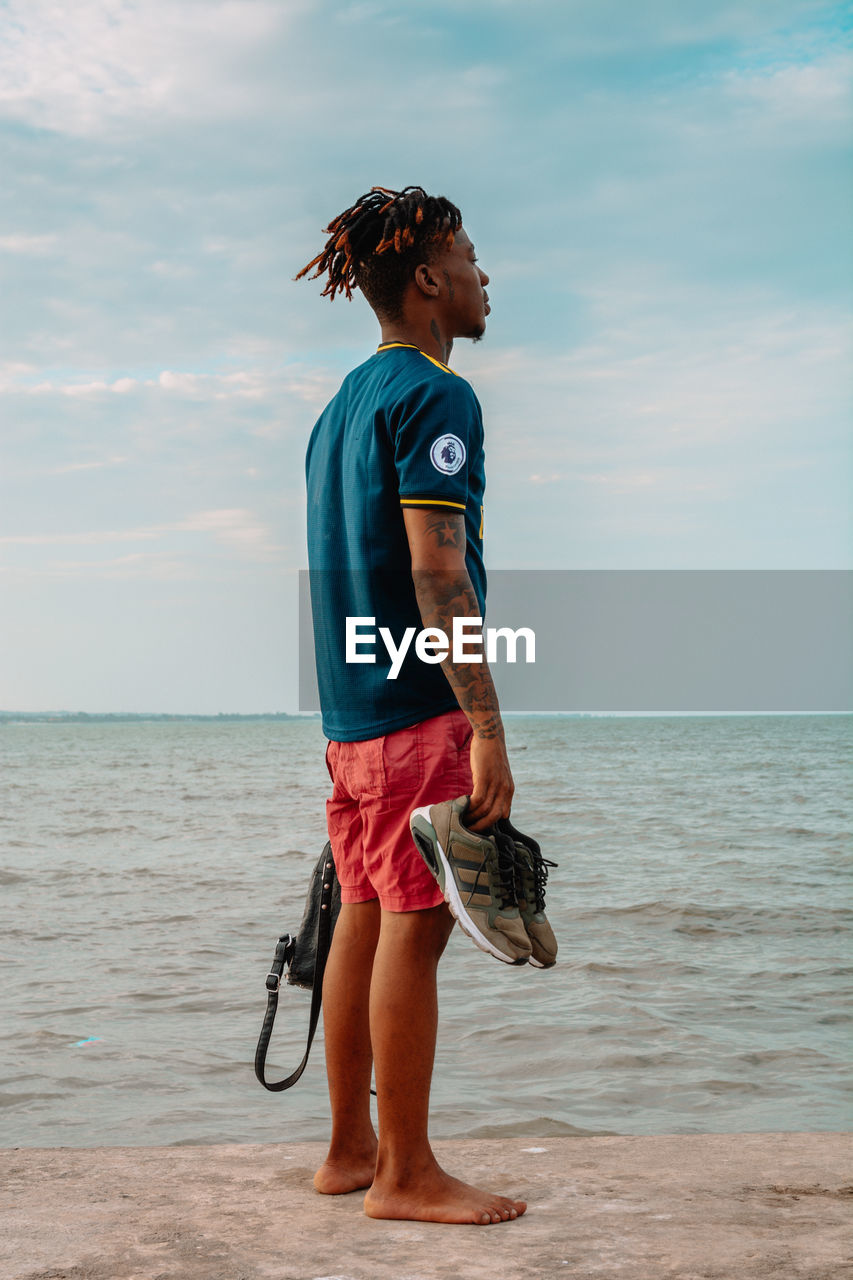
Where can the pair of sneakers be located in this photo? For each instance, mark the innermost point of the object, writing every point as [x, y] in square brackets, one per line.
[493, 881]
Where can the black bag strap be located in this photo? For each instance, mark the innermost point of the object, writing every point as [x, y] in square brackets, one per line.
[283, 956]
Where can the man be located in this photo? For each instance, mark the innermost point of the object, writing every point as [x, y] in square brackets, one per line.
[395, 524]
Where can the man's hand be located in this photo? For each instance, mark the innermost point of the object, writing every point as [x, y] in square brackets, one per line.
[491, 797]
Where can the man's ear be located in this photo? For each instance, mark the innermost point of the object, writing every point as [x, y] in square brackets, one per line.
[426, 281]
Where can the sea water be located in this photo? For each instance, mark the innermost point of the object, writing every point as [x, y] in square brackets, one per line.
[700, 904]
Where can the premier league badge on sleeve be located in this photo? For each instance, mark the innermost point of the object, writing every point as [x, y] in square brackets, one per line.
[447, 454]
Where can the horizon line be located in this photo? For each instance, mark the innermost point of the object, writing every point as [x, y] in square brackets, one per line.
[315, 715]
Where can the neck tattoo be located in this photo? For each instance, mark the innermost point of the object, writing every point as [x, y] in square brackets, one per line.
[436, 333]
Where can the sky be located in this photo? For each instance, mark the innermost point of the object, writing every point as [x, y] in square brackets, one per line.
[660, 193]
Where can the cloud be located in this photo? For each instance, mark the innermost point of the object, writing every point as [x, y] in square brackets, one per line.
[474, 88]
[77, 388]
[657, 378]
[83, 68]
[261, 403]
[161, 566]
[171, 270]
[90, 537]
[312, 386]
[674, 251]
[23, 243]
[14, 374]
[17, 379]
[96, 465]
[236, 528]
[218, 386]
[619, 483]
[666, 420]
[820, 91]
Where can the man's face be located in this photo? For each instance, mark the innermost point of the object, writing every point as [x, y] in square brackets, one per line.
[466, 303]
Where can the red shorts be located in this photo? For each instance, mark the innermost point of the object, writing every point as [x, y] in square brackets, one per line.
[377, 784]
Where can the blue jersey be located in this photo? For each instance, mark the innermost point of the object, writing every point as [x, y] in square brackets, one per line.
[404, 430]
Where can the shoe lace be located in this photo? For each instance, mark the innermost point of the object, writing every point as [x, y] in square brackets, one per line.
[506, 870]
[540, 867]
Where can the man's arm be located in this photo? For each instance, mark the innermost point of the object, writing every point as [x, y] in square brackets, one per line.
[444, 592]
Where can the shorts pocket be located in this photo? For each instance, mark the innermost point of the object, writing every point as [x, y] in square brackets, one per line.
[461, 732]
[403, 761]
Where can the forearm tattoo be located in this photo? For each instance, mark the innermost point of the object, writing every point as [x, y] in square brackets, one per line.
[442, 595]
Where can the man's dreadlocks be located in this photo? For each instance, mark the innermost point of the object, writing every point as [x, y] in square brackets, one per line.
[375, 245]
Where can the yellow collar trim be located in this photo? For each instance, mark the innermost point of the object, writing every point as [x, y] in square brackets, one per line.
[386, 346]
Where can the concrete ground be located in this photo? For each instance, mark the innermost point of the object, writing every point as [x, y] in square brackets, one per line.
[704, 1207]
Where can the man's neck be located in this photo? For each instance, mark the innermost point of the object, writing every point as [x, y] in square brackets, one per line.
[427, 337]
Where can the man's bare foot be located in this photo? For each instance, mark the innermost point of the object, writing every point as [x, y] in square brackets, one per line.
[437, 1197]
[340, 1174]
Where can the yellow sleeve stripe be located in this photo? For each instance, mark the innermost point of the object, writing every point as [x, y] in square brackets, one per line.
[431, 502]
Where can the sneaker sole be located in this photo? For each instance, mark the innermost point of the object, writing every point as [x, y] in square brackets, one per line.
[429, 847]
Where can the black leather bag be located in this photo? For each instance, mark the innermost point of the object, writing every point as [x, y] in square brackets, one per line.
[304, 957]
[324, 894]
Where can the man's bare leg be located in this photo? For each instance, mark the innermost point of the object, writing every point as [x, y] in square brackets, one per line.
[351, 1160]
[409, 1182]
